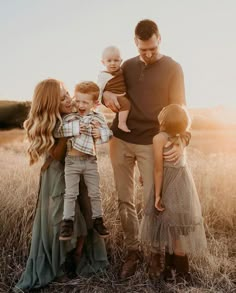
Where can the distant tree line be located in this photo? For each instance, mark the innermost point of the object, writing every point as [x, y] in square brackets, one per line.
[13, 114]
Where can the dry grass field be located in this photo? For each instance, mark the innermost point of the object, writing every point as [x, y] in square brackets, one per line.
[212, 158]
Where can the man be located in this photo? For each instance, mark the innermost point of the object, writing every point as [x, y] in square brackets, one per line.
[153, 81]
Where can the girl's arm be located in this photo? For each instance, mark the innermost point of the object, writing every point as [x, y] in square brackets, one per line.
[159, 142]
[58, 151]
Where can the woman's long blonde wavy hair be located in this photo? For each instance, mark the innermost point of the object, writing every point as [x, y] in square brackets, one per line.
[42, 118]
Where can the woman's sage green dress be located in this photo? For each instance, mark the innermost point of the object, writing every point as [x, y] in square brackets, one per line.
[47, 253]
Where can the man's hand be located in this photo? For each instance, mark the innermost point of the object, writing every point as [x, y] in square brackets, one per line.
[174, 154]
[111, 102]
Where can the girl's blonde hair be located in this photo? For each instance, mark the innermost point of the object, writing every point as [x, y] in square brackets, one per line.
[42, 118]
[174, 119]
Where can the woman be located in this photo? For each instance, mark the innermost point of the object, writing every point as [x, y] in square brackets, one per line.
[47, 254]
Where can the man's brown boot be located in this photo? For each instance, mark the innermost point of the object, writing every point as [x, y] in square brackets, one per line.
[156, 265]
[129, 267]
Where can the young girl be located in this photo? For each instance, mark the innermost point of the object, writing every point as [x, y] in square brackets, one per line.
[172, 221]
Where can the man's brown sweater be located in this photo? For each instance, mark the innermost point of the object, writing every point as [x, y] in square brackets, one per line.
[149, 88]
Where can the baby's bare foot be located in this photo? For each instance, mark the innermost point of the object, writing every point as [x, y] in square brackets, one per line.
[123, 127]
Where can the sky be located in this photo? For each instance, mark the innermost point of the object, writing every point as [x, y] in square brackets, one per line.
[64, 39]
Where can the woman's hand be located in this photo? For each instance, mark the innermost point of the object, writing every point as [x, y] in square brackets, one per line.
[95, 124]
[158, 205]
[96, 133]
[174, 154]
[83, 128]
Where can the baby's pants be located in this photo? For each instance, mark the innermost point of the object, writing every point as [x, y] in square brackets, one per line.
[124, 103]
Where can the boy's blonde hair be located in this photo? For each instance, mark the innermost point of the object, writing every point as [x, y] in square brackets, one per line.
[88, 87]
[174, 119]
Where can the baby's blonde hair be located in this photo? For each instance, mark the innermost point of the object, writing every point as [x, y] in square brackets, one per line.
[110, 49]
[42, 118]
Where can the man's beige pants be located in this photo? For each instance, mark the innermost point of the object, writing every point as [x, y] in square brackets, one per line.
[123, 158]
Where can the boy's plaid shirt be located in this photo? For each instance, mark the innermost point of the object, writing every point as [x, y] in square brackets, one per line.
[83, 142]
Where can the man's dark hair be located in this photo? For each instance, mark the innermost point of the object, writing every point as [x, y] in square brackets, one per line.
[145, 29]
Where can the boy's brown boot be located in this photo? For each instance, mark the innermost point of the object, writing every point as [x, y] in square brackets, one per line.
[99, 226]
[66, 230]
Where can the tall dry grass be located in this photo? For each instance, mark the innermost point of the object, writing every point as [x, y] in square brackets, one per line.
[215, 272]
